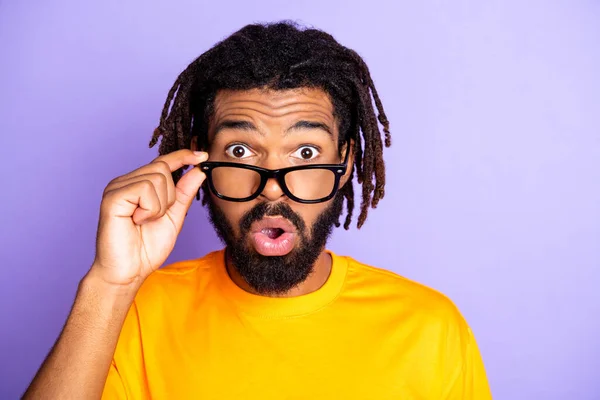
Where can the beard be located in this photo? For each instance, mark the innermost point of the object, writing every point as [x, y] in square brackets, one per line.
[276, 275]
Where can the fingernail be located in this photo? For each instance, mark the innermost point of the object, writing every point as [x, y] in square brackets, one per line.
[200, 154]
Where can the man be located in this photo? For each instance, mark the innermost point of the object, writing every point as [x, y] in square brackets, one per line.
[276, 120]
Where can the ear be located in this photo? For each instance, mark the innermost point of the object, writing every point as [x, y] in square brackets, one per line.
[350, 164]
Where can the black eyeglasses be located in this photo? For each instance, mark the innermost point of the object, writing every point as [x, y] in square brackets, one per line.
[306, 184]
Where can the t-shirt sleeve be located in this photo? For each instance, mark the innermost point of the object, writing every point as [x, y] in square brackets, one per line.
[113, 389]
[476, 383]
[126, 376]
[469, 380]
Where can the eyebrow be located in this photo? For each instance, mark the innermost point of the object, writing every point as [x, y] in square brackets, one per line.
[237, 125]
[250, 127]
[309, 125]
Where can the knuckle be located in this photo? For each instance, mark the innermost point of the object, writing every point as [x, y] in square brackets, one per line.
[108, 200]
[159, 179]
[106, 191]
[108, 195]
[151, 194]
[162, 167]
[146, 186]
[159, 182]
[109, 186]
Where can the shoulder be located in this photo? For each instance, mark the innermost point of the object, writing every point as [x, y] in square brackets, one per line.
[178, 280]
[400, 295]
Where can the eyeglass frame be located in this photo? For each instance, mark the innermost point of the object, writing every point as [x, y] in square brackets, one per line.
[279, 174]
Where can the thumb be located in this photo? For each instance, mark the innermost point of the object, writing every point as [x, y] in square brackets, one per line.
[185, 192]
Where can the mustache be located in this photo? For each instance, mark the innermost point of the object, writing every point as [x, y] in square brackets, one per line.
[261, 210]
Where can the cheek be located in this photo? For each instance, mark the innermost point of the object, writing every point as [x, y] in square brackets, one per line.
[311, 212]
[233, 211]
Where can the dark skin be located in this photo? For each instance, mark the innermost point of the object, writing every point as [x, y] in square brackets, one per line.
[276, 129]
[142, 213]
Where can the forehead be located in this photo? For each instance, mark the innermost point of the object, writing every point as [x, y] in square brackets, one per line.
[274, 106]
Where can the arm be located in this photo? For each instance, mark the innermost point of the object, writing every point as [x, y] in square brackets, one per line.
[78, 364]
[141, 215]
[469, 381]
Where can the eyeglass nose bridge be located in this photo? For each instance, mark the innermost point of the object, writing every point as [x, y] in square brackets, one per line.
[276, 174]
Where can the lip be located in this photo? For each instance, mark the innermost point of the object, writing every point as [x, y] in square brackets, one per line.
[279, 246]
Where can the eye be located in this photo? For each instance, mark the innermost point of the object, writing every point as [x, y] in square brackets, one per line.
[306, 153]
[238, 151]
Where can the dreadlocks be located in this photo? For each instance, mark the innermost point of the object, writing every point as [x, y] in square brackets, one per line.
[283, 56]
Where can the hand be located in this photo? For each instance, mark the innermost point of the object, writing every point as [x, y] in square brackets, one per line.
[141, 215]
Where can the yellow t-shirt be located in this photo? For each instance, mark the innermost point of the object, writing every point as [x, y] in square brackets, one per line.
[367, 333]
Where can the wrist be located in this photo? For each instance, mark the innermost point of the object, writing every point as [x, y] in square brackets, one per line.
[113, 279]
[94, 282]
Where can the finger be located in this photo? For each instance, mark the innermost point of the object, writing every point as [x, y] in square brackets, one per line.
[185, 192]
[137, 200]
[158, 167]
[166, 164]
[180, 158]
[163, 185]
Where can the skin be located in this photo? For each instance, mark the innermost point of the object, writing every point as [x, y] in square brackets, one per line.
[142, 213]
[274, 140]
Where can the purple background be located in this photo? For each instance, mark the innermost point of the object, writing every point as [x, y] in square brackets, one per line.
[493, 193]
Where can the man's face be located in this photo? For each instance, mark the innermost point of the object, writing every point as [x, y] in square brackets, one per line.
[272, 240]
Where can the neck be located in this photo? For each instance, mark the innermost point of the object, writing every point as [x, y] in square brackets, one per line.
[315, 280]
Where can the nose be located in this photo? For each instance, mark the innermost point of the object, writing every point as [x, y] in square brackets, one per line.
[272, 190]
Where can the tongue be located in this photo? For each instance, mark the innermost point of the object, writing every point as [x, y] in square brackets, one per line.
[272, 233]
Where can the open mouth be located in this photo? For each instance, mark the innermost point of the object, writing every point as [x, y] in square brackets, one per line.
[273, 233]
[273, 236]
